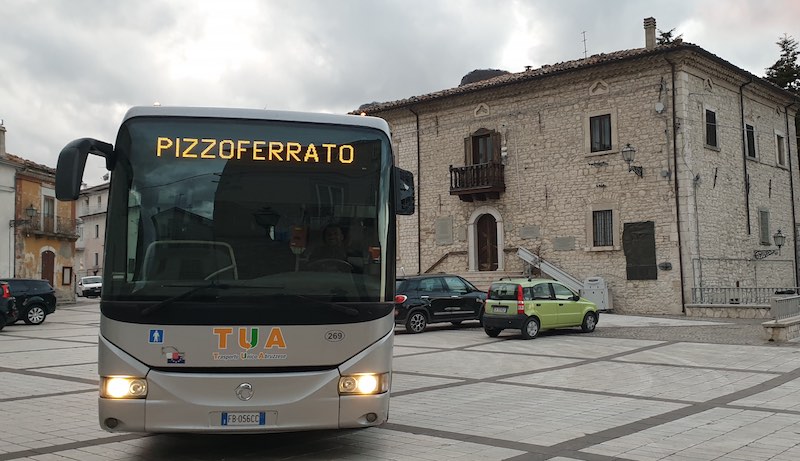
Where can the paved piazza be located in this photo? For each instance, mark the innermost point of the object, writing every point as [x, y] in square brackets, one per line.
[457, 394]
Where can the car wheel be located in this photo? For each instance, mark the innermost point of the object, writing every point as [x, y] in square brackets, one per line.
[35, 315]
[416, 322]
[531, 328]
[589, 322]
[2, 321]
[492, 332]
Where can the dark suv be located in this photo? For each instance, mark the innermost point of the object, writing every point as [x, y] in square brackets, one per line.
[8, 308]
[35, 299]
[435, 298]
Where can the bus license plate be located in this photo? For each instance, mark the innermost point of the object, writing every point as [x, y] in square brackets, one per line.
[501, 309]
[244, 418]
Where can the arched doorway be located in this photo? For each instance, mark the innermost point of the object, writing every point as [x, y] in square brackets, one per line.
[486, 242]
[48, 266]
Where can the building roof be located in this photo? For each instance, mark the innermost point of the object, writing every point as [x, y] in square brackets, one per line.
[547, 70]
[29, 164]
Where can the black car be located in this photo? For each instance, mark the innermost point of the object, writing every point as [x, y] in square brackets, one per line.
[436, 298]
[35, 299]
[8, 307]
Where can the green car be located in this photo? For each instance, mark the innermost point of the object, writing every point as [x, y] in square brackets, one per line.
[532, 305]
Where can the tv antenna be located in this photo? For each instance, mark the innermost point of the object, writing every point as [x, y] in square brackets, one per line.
[584, 44]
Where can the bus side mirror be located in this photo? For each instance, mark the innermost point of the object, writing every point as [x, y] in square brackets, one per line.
[404, 191]
[72, 162]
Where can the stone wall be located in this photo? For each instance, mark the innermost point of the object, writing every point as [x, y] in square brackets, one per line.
[553, 183]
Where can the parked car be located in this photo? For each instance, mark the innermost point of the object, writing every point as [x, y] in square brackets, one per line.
[436, 298]
[35, 299]
[8, 307]
[89, 286]
[533, 305]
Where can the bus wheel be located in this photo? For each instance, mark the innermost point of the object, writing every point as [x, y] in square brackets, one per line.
[416, 322]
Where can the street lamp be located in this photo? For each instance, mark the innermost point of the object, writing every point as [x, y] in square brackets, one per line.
[779, 240]
[628, 154]
[30, 212]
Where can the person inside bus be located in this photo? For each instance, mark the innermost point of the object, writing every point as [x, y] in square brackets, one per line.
[332, 255]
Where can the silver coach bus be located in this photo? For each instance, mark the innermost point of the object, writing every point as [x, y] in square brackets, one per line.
[249, 269]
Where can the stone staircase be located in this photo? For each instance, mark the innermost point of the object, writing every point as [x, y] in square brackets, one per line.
[484, 279]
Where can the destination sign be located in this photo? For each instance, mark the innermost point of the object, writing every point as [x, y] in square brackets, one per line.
[255, 150]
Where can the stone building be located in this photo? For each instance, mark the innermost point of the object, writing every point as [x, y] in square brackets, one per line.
[92, 205]
[44, 229]
[535, 160]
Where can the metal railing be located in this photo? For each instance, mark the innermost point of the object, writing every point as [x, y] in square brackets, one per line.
[53, 225]
[783, 307]
[739, 295]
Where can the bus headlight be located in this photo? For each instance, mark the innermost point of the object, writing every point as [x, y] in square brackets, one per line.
[123, 387]
[364, 384]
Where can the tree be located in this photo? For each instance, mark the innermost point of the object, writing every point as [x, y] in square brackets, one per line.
[786, 71]
[665, 38]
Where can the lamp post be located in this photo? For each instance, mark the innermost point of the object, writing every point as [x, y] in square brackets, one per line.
[30, 212]
[628, 154]
[779, 240]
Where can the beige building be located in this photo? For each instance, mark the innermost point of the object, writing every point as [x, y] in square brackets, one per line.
[92, 205]
[535, 160]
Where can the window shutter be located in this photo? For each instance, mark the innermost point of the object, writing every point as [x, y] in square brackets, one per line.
[468, 150]
[496, 141]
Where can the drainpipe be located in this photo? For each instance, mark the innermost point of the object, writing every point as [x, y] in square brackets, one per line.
[744, 154]
[419, 199]
[791, 189]
[675, 185]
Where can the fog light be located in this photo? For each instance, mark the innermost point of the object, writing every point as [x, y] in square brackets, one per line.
[371, 417]
[111, 423]
[123, 387]
[364, 384]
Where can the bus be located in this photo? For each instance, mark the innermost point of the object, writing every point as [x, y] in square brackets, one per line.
[215, 314]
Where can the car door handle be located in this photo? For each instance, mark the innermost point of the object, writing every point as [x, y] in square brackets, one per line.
[561, 304]
[424, 296]
[538, 305]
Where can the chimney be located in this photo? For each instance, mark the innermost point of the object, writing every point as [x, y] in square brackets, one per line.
[2, 139]
[649, 33]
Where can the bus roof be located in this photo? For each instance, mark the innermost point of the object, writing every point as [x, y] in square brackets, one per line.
[257, 114]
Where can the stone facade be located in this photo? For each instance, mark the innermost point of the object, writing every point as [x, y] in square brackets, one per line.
[92, 206]
[656, 101]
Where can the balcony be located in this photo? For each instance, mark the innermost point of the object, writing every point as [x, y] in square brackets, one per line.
[477, 182]
[51, 226]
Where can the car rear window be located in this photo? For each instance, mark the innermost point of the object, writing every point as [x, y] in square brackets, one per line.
[503, 291]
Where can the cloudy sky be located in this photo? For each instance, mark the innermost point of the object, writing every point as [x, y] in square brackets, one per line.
[71, 68]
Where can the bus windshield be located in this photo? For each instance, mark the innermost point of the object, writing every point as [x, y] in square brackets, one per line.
[263, 213]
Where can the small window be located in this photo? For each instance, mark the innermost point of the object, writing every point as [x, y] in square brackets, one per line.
[711, 128]
[97, 259]
[600, 132]
[602, 223]
[99, 200]
[750, 133]
[97, 231]
[763, 226]
[781, 149]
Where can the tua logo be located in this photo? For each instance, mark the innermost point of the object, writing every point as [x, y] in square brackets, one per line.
[248, 337]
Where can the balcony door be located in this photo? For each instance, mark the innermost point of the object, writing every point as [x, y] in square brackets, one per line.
[486, 230]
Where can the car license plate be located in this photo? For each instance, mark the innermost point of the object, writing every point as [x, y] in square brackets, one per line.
[501, 309]
[255, 418]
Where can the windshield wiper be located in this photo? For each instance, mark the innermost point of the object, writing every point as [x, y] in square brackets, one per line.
[347, 310]
[158, 306]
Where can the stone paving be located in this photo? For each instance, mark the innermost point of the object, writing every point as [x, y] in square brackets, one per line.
[625, 392]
